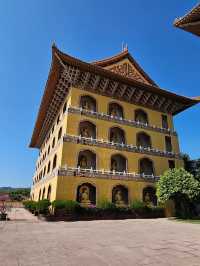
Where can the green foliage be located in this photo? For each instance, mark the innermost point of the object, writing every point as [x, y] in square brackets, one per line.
[30, 205]
[43, 206]
[18, 194]
[68, 205]
[137, 204]
[106, 205]
[177, 181]
[192, 166]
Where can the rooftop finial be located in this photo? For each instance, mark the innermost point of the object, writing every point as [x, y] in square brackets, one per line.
[124, 47]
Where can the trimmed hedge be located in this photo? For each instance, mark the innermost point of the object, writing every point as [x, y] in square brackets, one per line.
[67, 205]
[41, 206]
[104, 210]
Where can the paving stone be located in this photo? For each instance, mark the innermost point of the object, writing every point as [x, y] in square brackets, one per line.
[25, 241]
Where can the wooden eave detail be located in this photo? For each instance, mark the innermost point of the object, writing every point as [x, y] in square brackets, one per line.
[190, 22]
[111, 62]
[67, 71]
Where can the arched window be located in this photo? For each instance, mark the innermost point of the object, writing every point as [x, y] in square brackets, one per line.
[48, 151]
[141, 116]
[58, 120]
[43, 193]
[44, 172]
[87, 129]
[54, 161]
[118, 163]
[39, 197]
[53, 143]
[49, 167]
[120, 195]
[149, 196]
[88, 103]
[168, 144]
[64, 108]
[86, 194]
[87, 159]
[59, 133]
[52, 129]
[146, 166]
[165, 121]
[115, 110]
[49, 193]
[117, 135]
[143, 140]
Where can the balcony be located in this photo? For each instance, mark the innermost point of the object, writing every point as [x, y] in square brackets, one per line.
[120, 146]
[105, 174]
[93, 173]
[120, 120]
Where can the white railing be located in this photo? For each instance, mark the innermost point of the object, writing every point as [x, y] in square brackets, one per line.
[46, 177]
[90, 172]
[119, 146]
[120, 120]
[102, 173]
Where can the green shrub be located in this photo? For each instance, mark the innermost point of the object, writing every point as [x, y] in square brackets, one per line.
[106, 205]
[43, 206]
[177, 182]
[137, 204]
[68, 205]
[30, 205]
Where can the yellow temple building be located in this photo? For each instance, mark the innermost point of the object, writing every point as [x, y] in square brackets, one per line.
[104, 132]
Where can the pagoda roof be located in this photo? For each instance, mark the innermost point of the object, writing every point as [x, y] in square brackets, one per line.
[109, 62]
[190, 22]
[67, 71]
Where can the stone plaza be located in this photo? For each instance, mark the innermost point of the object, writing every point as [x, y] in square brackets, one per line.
[26, 241]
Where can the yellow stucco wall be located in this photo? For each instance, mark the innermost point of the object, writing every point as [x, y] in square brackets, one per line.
[67, 187]
[103, 158]
[44, 184]
[64, 187]
[102, 107]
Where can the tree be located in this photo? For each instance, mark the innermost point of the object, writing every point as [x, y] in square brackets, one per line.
[181, 186]
[192, 166]
[177, 181]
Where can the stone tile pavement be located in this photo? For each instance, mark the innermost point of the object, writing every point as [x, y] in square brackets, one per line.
[29, 242]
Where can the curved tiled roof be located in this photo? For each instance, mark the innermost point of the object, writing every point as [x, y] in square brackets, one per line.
[191, 21]
[121, 56]
[120, 87]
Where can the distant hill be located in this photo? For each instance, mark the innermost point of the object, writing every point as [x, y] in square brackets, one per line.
[12, 188]
[5, 188]
[15, 193]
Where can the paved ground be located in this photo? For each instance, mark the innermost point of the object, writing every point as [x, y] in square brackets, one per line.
[127, 242]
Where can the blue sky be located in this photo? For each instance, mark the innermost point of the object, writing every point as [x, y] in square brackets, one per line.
[89, 30]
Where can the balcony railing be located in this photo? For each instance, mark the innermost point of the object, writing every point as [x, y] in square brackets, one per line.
[120, 120]
[104, 174]
[93, 173]
[119, 146]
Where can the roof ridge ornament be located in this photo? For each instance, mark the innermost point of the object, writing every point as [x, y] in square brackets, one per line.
[124, 47]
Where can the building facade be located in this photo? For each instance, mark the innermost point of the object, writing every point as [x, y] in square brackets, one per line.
[104, 132]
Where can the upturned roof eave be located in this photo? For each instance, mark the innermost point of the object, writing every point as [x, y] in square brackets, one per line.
[54, 75]
[191, 17]
[128, 81]
[48, 92]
